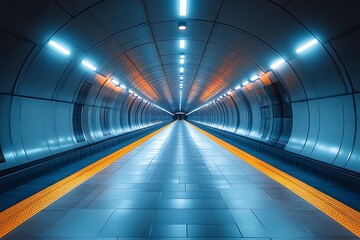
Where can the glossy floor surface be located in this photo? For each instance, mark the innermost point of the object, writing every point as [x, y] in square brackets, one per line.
[180, 184]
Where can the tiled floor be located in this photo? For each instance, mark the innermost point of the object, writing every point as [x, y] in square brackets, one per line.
[180, 184]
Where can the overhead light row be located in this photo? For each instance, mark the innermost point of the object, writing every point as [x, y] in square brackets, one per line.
[300, 49]
[62, 49]
[182, 45]
[273, 66]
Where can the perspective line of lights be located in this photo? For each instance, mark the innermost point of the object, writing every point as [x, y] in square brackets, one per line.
[90, 66]
[275, 65]
[182, 45]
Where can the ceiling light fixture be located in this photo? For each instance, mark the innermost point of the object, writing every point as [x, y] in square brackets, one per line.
[277, 63]
[237, 87]
[245, 83]
[88, 65]
[115, 82]
[182, 43]
[255, 77]
[182, 25]
[183, 7]
[307, 45]
[182, 61]
[181, 69]
[123, 87]
[59, 47]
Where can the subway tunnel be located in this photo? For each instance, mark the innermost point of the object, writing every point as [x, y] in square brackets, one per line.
[174, 119]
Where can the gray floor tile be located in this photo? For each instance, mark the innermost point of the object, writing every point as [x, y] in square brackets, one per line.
[80, 223]
[213, 231]
[128, 224]
[168, 231]
[279, 223]
[193, 217]
[112, 204]
[248, 224]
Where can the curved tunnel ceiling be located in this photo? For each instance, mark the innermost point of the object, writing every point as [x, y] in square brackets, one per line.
[137, 43]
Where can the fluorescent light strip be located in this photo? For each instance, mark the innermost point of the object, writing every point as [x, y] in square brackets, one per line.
[255, 77]
[237, 87]
[277, 63]
[123, 87]
[59, 47]
[183, 4]
[307, 45]
[88, 65]
[182, 61]
[115, 82]
[181, 69]
[182, 43]
[245, 83]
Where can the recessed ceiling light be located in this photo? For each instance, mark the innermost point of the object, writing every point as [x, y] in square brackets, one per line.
[182, 61]
[182, 56]
[182, 25]
[181, 69]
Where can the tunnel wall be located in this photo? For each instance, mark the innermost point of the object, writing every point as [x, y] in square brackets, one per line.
[34, 128]
[321, 128]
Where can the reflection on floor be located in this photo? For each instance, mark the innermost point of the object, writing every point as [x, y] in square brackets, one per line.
[180, 184]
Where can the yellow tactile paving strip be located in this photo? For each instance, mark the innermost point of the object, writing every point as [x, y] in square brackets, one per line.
[340, 212]
[22, 211]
